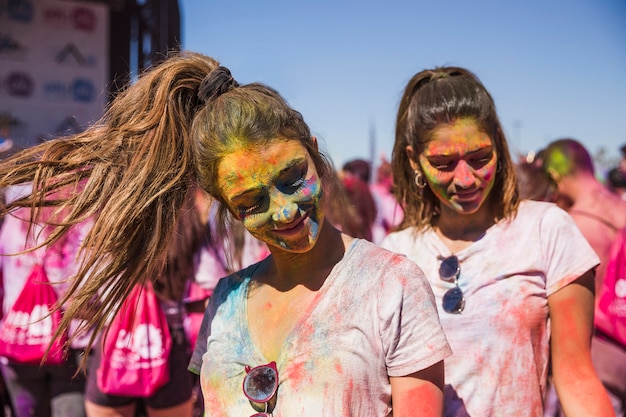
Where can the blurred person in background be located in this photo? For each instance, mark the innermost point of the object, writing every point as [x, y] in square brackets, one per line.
[535, 184]
[616, 177]
[616, 181]
[354, 177]
[388, 213]
[35, 389]
[600, 214]
[174, 398]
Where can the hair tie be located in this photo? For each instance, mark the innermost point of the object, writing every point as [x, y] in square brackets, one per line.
[448, 72]
[216, 83]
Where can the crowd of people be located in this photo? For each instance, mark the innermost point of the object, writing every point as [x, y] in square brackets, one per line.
[457, 282]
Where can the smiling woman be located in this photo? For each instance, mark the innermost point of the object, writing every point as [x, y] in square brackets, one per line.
[461, 153]
[499, 268]
[327, 325]
[306, 309]
[276, 196]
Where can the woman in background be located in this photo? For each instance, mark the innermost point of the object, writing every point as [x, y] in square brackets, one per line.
[499, 268]
[36, 389]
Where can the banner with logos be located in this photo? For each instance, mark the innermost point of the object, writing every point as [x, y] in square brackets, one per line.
[53, 68]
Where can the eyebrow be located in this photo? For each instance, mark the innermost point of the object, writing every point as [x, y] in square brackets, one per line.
[448, 155]
[293, 163]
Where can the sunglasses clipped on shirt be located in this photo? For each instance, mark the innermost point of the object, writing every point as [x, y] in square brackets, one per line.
[453, 300]
[260, 385]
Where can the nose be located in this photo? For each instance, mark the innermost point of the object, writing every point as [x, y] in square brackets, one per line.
[284, 210]
[464, 175]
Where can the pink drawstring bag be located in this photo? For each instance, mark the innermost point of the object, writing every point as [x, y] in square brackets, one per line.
[1, 293]
[136, 347]
[610, 316]
[28, 328]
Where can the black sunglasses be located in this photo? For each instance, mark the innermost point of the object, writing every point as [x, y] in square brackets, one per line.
[453, 301]
[260, 385]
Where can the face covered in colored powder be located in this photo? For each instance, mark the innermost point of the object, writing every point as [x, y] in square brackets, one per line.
[275, 191]
[459, 163]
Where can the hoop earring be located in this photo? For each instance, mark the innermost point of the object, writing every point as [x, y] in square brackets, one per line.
[420, 181]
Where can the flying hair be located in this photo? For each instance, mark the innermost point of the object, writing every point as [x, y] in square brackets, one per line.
[130, 172]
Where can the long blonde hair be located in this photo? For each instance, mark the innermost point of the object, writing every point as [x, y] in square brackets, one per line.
[131, 171]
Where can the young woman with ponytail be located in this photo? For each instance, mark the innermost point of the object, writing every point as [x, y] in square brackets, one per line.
[326, 325]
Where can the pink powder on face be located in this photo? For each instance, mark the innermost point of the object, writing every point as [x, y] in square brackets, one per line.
[459, 157]
[272, 160]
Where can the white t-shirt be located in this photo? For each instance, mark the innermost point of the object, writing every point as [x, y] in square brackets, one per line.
[374, 317]
[500, 341]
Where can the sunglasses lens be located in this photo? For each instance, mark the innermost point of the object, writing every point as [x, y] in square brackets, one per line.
[260, 384]
[453, 301]
[449, 269]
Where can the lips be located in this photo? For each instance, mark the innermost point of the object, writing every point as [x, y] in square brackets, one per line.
[294, 227]
[468, 196]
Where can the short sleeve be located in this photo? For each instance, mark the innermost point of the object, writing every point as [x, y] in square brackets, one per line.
[410, 329]
[567, 253]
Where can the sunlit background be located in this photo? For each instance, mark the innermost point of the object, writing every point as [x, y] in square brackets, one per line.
[555, 68]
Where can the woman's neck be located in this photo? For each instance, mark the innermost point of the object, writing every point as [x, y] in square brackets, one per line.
[458, 230]
[287, 270]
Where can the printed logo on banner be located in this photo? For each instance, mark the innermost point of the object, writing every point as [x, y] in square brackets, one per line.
[20, 10]
[54, 91]
[11, 48]
[70, 55]
[18, 84]
[55, 17]
[83, 90]
[80, 89]
[79, 18]
[84, 19]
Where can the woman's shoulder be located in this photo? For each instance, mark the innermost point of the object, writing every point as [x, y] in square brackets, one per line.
[534, 206]
[530, 210]
[398, 240]
[377, 259]
[540, 220]
[234, 281]
[366, 250]
[373, 270]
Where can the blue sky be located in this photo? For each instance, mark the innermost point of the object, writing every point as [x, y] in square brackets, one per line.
[556, 68]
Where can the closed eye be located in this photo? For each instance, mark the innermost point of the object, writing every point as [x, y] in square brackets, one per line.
[443, 164]
[294, 180]
[297, 183]
[246, 210]
[480, 161]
